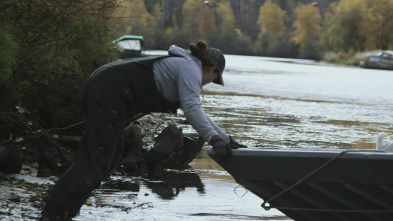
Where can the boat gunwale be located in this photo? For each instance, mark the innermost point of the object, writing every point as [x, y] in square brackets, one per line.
[312, 152]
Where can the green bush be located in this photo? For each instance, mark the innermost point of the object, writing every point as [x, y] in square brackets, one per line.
[60, 44]
[8, 51]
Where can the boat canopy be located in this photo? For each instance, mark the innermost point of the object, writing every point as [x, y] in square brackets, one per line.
[130, 42]
[131, 45]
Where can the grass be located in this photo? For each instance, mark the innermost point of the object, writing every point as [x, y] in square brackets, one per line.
[351, 58]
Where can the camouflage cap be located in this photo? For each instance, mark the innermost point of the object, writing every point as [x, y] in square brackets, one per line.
[216, 57]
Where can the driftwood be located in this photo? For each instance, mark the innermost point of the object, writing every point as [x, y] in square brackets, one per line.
[171, 150]
[132, 155]
[187, 153]
[72, 141]
[39, 150]
[170, 140]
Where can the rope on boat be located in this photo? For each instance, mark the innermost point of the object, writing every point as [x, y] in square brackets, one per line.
[266, 203]
[234, 190]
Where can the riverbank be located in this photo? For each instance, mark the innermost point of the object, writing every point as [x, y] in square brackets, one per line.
[341, 58]
[39, 162]
[330, 58]
[22, 195]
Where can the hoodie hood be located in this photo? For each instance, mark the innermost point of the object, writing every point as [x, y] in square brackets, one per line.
[214, 55]
[181, 52]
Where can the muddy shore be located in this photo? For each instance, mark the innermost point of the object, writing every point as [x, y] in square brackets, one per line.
[35, 162]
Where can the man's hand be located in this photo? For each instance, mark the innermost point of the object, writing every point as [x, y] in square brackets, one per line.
[222, 148]
[234, 144]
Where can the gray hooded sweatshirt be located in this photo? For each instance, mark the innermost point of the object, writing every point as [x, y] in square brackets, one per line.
[179, 78]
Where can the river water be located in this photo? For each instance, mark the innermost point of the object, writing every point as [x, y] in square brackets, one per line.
[266, 102]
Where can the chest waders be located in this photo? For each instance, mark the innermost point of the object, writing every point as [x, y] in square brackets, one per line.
[114, 92]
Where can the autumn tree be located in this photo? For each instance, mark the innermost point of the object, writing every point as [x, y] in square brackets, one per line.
[192, 10]
[157, 38]
[271, 22]
[227, 26]
[132, 17]
[342, 26]
[207, 25]
[307, 29]
[121, 18]
[378, 25]
[246, 14]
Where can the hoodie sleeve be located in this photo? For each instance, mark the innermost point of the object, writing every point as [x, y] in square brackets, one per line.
[189, 86]
[220, 132]
[179, 78]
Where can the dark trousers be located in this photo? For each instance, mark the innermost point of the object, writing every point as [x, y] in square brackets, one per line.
[99, 153]
[112, 92]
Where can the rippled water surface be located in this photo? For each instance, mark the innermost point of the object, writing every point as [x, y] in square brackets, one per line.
[265, 103]
[282, 104]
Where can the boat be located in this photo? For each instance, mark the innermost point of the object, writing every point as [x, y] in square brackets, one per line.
[316, 184]
[131, 46]
[382, 60]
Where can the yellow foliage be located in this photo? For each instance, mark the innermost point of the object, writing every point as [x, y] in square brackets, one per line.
[271, 19]
[238, 32]
[342, 26]
[192, 15]
[207, 25]
[378, 25]
[225, 12]
[132, 17]
[307, 24]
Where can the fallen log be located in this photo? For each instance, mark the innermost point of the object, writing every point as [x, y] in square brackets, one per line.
[72, 141]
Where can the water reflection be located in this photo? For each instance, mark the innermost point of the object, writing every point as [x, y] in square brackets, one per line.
[169, 183]
[117, 185]
[202, 192]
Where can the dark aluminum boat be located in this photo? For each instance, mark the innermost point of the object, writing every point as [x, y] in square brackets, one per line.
[317, 184]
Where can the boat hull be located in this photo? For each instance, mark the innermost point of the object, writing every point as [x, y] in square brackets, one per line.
[317, 184]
